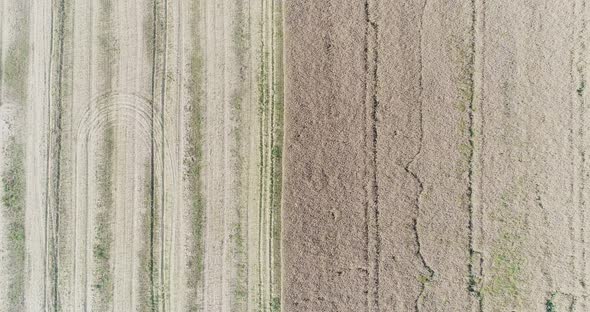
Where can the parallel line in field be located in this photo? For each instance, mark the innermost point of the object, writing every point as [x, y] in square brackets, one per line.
[2, 9]
[196, 142]
[262, 100]
[152, 156]
[204, 145]
[87, 161]
[548, 279]
[576, 148]
[277, 286]
[369, 284]
[73, 188]
[477, 138]
[225, 164]
[572, 127]
[58, 156]
[582, 74]
[271, 146]
[86, 223]
[474, 56]
[128, 228]
[108, 163]
[415, 157]
[173, 277]
[162, 151]
[134, 200]
[250, 119]
[238, 127]
[47, 161]
[56, 162]
[133, 204]
[371, 133]
[583, 53]
[275, 154]
[581, 110]
[206, 149]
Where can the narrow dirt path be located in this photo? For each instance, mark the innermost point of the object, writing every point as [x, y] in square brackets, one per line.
[36, 157]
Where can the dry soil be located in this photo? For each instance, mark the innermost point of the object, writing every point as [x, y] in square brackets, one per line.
[436, 156]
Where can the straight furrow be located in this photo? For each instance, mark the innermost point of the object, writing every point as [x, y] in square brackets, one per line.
[372, 189]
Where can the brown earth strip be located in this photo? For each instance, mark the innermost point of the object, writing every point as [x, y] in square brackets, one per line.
[472, 127]
[324, 231]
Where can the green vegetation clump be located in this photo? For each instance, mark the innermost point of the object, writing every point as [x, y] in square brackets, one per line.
[240, 292]
[239, 249]
[15, 69]
[102, 249]
[581, 88]
[193, 166]
[147, 295]
[13, 201]
[423, 279]
[507, 268]
[465, 61]
[277, 155]
[275, 304]
[550, 305]
[473, 285]
[16, 63]
[104, 237]
[507, 274]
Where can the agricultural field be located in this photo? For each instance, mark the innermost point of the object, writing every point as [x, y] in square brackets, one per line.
[436, 156]
[274, 155]
[141, 148]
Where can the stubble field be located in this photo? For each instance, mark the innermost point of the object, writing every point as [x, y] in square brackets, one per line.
[270, 155]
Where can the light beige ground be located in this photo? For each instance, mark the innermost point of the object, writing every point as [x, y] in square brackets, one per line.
[150, 138]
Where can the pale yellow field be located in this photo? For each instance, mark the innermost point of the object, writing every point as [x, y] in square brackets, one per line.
[141, 155]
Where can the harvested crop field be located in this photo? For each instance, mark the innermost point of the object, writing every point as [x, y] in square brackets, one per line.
[269, 155]
[141, 155]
